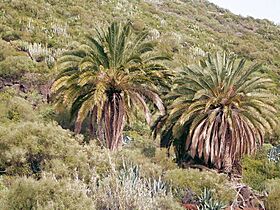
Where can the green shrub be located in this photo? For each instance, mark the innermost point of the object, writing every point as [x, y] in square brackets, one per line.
[14, 67]
[28, 147]
[197, 181]
[272, 202]
[149, 151]
[168, 203]
[142, 145]
[256, 172]
[161, 158]
[14, 108]
[10, 36]
[135, 157]
[46, 193]
[257, 169]
[46, 112]
[2, 186]
[6, 50]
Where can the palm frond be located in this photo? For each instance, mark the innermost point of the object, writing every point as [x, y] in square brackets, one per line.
[228, 107]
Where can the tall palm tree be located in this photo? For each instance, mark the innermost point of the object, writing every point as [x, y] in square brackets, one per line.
[109, 78]
[219, 110]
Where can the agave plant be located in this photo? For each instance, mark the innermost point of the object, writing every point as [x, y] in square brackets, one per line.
[128, 189]
[207, 201]
[219, 110]
[109, 78]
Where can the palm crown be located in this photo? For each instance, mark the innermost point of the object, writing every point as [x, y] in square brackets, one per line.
[220, 110]
[108, 78]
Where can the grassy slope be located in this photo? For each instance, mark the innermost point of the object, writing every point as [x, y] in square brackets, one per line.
[186, 28]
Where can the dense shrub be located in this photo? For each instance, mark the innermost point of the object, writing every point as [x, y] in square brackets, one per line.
[14, 67]
[6, 50]
[197, 181]
[135, 156]
[2, 186]
[257, 169]
[273, 200]
[30, 147]
[142, 145]
[47, 193]
[10, 35]
[123, 189]
[14, 108]
[164, 159]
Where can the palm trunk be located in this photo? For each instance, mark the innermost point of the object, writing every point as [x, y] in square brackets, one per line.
[93, 123]
[227, 160]
[78, 127]
[100, 128]
[114, 121]
[107, 128]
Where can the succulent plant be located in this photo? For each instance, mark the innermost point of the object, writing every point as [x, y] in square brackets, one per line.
[207, 202]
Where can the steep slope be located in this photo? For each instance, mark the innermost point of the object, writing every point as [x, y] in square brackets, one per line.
[34, 33]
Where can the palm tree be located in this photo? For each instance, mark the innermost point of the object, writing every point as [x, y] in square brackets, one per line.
[219, 110]
[109, 78]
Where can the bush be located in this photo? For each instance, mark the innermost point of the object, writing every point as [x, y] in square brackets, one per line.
[197, 181]
[30, 147]
[14, 67]
[161, 158]
[47, 112]
[2, 186]
[135, 156]
[46, 193]
[14, 108]
[6, 50]
[257, 169]
[10, 36]
[273, 199]
[121, 189]
[126, 189]
[168, 203]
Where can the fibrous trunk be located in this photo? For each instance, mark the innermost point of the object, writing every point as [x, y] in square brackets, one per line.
[221, 139]
[114, 120]
[93, 122]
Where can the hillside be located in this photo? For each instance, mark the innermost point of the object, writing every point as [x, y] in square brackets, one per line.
[42, 30]
[45, 165]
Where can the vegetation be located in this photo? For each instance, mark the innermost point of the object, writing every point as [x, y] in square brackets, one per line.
[273, 201]
[257, 169]
[111, 77]
[206, 201]
[197, 181]
[220, 110]
[81, 83]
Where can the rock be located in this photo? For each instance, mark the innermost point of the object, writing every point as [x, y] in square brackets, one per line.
[190, 206]
[189, 197]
